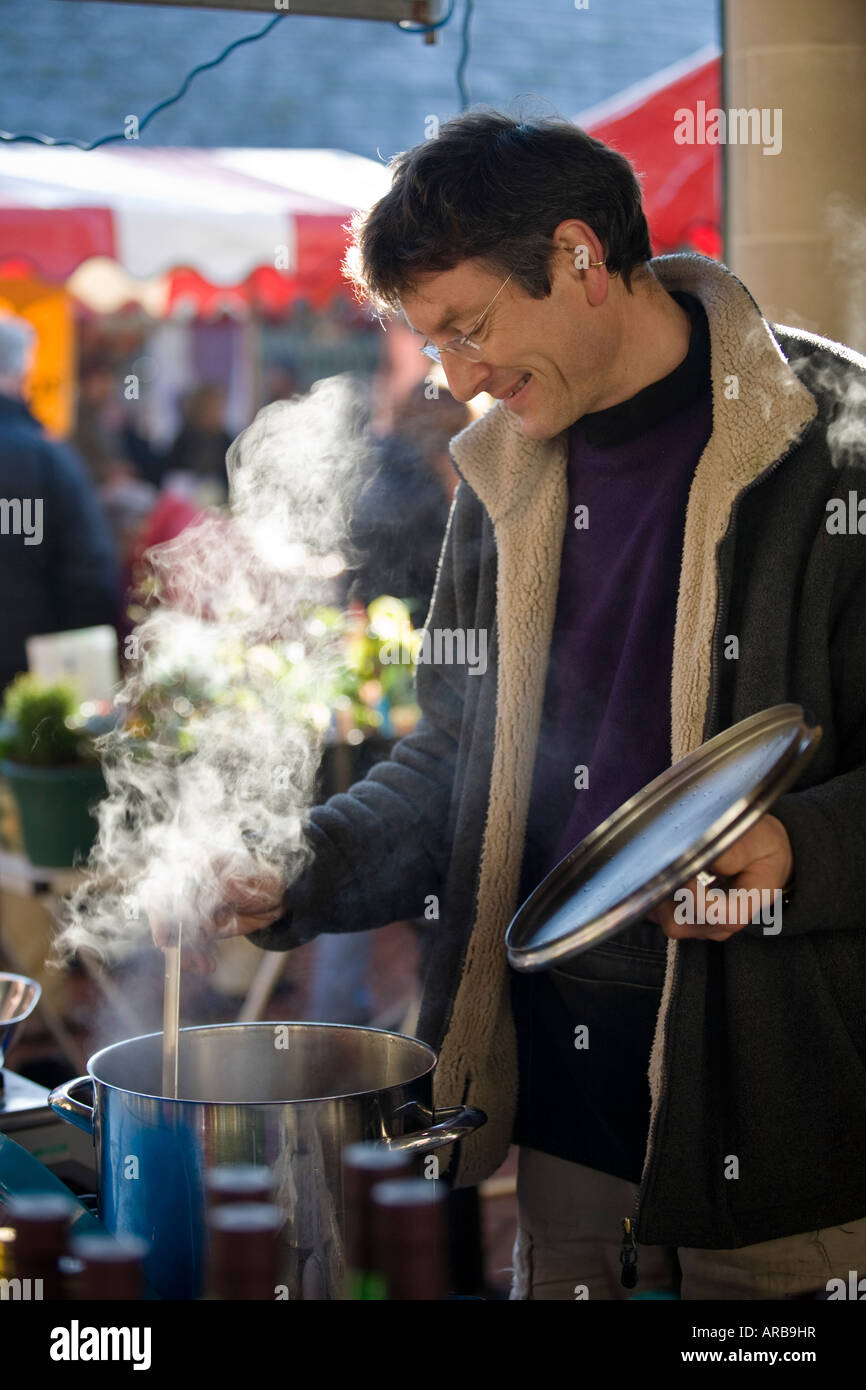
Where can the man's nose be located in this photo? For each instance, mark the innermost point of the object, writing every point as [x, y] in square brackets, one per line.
[465, 377]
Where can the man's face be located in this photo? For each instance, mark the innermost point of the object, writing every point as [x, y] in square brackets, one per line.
[561, 347]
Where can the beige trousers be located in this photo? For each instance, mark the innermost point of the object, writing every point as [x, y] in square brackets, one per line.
[569, 1236]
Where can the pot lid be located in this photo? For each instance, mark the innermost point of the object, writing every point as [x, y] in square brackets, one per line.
[662, 837]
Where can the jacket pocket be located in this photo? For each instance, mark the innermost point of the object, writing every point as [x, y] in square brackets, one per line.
[636, 956]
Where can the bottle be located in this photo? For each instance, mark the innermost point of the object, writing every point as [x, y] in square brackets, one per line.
[365, 1165]
[41, 1223]
[109, 1267]
[244, 1250]
[410, 1237]
[238, 1182]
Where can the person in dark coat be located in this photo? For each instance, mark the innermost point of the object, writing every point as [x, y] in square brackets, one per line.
[58, 570]
[403, 509]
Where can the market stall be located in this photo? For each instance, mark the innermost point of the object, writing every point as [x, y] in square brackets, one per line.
[187, 235]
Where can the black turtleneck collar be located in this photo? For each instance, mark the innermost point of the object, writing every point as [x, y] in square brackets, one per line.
[690, 380]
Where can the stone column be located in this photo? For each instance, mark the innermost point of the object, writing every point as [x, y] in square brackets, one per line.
[795, 221]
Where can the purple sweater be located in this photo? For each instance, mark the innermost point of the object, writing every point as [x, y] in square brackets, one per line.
[607, 709]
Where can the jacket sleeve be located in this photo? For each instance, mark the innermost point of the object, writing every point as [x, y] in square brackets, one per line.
[826, 824]
[382, 847]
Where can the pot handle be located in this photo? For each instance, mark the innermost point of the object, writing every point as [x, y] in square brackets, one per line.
[64, 1104]
[453, 1122]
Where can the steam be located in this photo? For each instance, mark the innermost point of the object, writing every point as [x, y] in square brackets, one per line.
[233, 675]
[846, 424]
[846, 237]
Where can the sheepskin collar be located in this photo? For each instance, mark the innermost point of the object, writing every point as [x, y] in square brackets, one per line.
[760, 406]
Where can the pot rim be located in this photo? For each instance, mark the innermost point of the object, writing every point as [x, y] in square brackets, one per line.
[265, 1023]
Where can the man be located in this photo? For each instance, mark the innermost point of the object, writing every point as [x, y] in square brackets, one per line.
[58, 569]
[639, 531]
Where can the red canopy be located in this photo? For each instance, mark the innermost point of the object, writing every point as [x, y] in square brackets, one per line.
[681, 183]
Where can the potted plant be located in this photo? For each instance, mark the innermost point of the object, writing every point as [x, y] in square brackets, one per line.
[377, 687]
[375, 703]
[48, 757]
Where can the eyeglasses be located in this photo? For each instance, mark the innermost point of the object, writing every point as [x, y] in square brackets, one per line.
[464, 346]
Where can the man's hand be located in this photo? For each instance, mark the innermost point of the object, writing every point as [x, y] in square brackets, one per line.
[251, 895]
[762, 858]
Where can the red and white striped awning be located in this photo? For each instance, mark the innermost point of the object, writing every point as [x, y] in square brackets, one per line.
[260, 225]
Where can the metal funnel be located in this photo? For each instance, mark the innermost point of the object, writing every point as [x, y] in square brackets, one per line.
[18, 998]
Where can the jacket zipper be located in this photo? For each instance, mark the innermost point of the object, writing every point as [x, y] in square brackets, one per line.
[628, 1248]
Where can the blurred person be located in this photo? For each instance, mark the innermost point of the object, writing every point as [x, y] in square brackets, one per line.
[402, 510]
[202, 442]
[58, 567]
[401, 369]
[281, 381]
[658, 472]
[127, 503]
[104, 435]
[172, 512]
[98, 434]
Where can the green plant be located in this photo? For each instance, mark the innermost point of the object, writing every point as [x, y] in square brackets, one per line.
[42, 725]
[378, 677]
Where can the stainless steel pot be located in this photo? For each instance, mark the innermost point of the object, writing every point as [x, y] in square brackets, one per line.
[290, 1095]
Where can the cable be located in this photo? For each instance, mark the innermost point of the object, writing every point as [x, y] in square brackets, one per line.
[25, 138]
[160, 106]
[464, 56]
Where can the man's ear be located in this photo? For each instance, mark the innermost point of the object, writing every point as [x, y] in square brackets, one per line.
[580, 241]
[577, 240]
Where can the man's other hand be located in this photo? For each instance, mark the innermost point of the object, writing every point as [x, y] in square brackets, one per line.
[760, 859]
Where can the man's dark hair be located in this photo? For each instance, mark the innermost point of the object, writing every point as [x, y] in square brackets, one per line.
[494, 189]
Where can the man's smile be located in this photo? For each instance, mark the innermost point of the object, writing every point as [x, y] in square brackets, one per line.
[515, 391]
